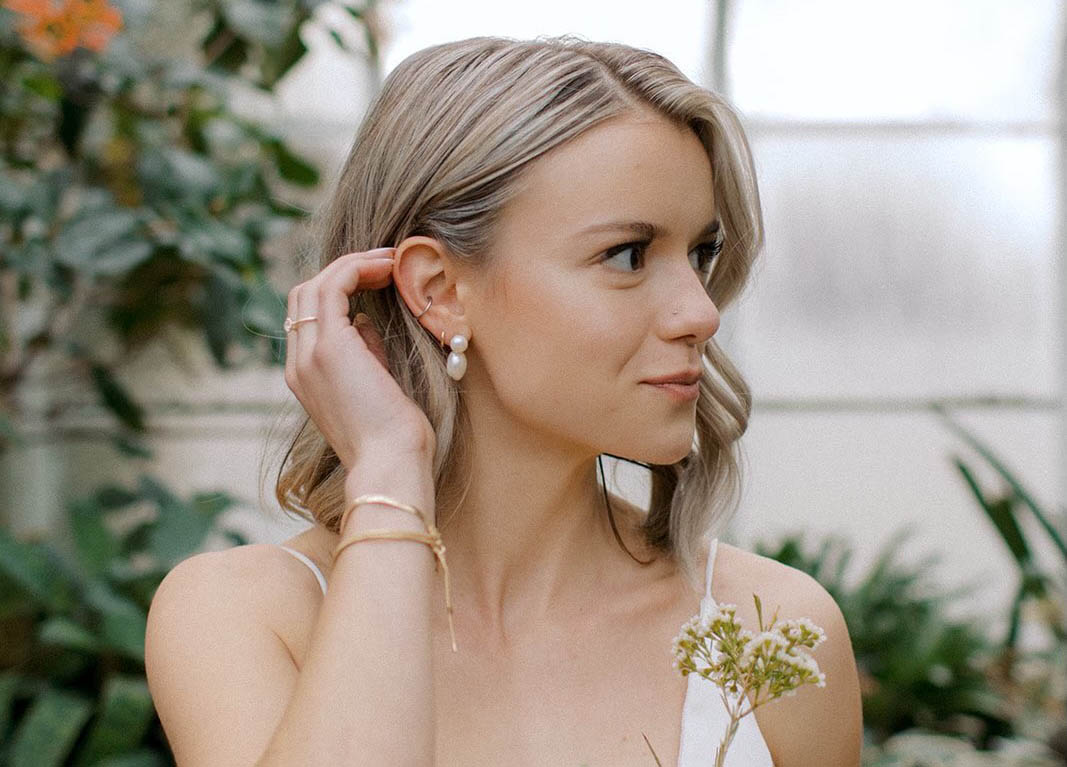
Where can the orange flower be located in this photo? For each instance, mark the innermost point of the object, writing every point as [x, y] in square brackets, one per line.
[53, 28]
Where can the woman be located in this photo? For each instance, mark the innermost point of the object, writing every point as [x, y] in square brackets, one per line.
[567, 219]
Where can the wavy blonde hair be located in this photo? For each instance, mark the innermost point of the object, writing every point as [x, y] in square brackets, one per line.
[440, 153]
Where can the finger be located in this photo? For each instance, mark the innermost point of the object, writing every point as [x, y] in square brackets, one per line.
[307, 301]
[372, 338]
[344, 263]
[335, 290]
[290, 336]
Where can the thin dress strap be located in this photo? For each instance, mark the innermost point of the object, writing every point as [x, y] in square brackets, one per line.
[314, 568]
[707, 603]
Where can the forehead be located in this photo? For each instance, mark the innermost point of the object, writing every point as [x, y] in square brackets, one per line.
[642, 168]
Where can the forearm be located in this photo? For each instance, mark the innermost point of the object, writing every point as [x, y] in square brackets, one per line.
[365, 693]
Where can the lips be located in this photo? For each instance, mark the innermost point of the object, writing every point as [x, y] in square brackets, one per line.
[683, 377]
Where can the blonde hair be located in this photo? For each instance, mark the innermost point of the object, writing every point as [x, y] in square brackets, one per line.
[440, 153]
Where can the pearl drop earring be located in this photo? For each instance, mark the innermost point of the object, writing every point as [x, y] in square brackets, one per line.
[456, 365]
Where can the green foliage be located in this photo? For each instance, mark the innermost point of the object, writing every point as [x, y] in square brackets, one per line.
[918, 668]
[72, 685]
[1004, 510]
[130, 188]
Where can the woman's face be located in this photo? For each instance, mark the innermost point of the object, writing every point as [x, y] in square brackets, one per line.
[576, 314]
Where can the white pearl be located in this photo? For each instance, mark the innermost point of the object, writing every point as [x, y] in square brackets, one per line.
[456, 365]
[458, 343]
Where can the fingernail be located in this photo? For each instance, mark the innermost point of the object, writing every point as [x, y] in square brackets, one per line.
[362, 319]
[381, 252]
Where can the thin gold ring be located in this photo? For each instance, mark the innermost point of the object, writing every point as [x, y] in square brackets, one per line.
[291, 324]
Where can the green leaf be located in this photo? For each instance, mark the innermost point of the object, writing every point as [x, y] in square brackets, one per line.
[114, 497]
[220, 315]
[48, 730]
[291, 167]
[9, 687]
[84, 239]
[263, 22]
[44, 84]
[122, 622]
[131, 448]
[125, 713]
[998, 465]
[115, 398]
[290, 51]
[37, 570]
[121, 257]
[213, 504]
[1001, 513]
[179, 530]
[94, 542]
[63, 632]
[192, 173]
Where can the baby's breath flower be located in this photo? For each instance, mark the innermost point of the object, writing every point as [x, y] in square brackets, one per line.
[739, 661]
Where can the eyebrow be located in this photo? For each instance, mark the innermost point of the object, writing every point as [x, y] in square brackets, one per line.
[645, 229]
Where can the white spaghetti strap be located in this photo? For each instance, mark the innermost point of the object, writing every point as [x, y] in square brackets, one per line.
[712, 549]
[314, 568]
[707, 602]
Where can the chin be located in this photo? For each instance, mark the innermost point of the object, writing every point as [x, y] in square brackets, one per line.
[665, 454]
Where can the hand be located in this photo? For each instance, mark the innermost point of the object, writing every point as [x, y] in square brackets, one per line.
[338, 370]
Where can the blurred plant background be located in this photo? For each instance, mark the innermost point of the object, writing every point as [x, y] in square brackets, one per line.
[158, 162]
[136, 205]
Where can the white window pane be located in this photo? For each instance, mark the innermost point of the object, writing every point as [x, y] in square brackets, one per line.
[676, 29]
[901, 266]
[906, 59]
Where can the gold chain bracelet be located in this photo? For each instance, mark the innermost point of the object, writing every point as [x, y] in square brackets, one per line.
[432, 538]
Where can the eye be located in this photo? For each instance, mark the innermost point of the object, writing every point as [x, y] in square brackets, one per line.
[707, 252]
[637, 251]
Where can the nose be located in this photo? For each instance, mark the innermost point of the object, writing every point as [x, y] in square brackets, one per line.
[692, 312]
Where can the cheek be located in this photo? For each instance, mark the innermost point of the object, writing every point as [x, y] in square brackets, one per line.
[559, 327]
[561, 358]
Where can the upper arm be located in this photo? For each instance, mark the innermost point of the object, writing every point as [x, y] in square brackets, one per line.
[819, 725]
[219, 676]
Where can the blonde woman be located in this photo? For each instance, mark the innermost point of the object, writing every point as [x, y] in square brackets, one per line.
[542, 235]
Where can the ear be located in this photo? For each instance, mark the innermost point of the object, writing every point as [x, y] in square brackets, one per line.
[423, 269]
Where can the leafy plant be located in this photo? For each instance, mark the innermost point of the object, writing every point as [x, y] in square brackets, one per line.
[1003, 510]
[917, 668]
[1046, 591]
[72, 685]
[131, 190]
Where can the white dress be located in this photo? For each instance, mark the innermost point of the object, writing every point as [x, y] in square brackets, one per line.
[704, 717]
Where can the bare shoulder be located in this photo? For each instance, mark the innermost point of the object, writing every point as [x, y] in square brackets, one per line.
[817, 725]
[215, 660]
[256, 576]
